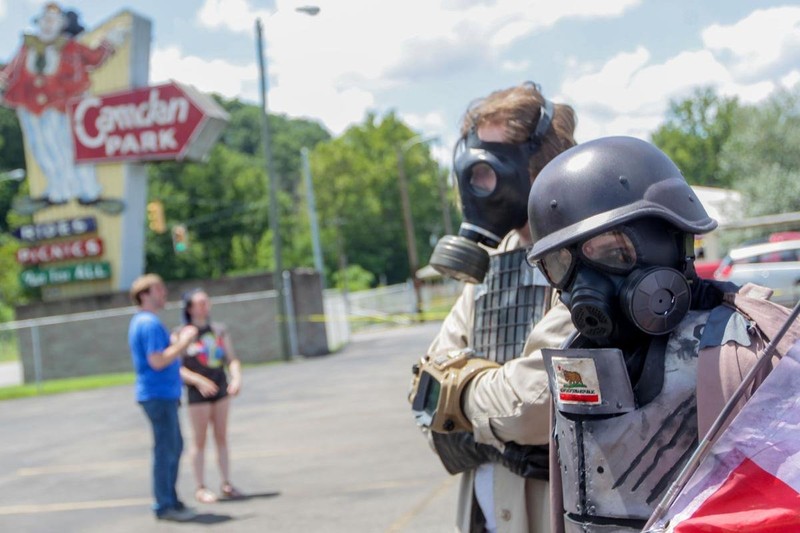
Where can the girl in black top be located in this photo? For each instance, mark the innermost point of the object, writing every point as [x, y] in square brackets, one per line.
[208, 390]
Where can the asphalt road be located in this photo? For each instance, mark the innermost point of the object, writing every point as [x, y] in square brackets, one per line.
[325, 445]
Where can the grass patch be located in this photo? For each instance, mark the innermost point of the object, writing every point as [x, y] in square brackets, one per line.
[59, 386]
[8, 347]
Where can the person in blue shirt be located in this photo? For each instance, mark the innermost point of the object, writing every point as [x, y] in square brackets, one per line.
[158, 389]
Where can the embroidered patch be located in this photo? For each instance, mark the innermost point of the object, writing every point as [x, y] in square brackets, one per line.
[576, 380]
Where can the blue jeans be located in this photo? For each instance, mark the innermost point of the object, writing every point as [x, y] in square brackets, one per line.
[167, 448]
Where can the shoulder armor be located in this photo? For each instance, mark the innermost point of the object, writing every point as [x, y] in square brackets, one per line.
[725, 324]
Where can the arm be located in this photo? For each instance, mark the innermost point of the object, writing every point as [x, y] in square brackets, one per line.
[159, 360]
[457, 326]
[234, 365]
[204, 385]
[94, 57]
[511, 403]
[10, 71]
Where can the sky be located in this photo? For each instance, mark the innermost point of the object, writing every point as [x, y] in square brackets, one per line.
[617, 62]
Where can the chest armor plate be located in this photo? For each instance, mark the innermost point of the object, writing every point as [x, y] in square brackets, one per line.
[512, 298]
[615, 469]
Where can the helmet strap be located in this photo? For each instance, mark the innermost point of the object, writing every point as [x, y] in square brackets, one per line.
[689, 256]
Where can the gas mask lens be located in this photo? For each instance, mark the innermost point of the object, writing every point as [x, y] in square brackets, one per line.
[556, 266]
[482, 179]
[612, 251]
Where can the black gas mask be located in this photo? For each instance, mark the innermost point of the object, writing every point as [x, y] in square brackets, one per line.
[493, 182]
[622, 282]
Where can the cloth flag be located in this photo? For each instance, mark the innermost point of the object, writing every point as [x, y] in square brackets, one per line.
[750, 481]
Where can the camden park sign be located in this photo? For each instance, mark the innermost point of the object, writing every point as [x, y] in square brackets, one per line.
[170, 121]
[90, 120]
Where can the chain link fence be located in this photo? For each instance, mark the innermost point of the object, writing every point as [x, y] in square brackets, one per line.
[95, 342]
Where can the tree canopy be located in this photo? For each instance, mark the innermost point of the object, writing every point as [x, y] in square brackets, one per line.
[224, 201]
[695, 130]
[761, 157]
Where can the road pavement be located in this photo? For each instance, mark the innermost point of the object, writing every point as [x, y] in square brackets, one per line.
[322, 444]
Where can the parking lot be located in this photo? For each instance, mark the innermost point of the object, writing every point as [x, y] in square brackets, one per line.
[325, 444]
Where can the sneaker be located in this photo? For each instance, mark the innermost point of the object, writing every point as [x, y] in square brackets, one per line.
[178, 515]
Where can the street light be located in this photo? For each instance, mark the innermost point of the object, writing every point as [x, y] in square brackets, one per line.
[408, 222]
[308, 10]
[272, 182]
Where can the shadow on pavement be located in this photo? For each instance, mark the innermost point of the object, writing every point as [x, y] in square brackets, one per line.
[253, 496]
[210, 518]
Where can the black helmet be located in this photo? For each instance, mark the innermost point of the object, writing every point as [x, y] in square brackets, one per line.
[603, 183]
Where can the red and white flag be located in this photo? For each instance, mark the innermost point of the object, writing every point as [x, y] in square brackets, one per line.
[751, 479]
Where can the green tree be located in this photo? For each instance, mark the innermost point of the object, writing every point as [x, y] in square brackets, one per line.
[11, 293]
[694, 133]
[224, 201]
[761, 158]
[358, 198]
[357, 278]
[12, 156]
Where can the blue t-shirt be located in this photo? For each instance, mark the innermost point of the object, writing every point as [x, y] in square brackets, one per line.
[147, 335]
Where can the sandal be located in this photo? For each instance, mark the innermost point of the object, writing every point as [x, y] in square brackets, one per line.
[229, 492]
[203, 495]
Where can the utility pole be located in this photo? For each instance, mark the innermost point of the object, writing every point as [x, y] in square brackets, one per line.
[272, 184]
[441, 181]
[408, 223]
[312, 215]
[411, 241]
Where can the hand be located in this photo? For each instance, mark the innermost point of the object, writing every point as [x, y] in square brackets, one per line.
[234, 387]
[116, 36]
[188, 333]
[207, 387]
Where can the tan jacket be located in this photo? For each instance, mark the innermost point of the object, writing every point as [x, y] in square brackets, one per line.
[508, 404]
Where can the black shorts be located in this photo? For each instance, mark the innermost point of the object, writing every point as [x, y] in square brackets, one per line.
[194, 395]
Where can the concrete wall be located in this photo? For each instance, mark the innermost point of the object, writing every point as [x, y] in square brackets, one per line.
[309, 312]
[99, 344]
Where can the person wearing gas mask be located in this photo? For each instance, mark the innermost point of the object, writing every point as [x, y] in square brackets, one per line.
[507, 138]
[657, 352]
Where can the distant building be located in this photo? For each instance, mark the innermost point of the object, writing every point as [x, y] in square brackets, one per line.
[726, 206]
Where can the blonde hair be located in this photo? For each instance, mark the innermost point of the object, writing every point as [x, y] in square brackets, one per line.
[518, 109]
[143, 284]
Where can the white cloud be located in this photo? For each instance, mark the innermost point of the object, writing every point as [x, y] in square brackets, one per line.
[758, 43]
[299, 95]
[337, 109]
[514, 19]
[2, 8]
[629, 91]
[432, 121]
[629, 94]
[592, 125]
[234, 15]
[791, 79]
[751, 93]
[515, 66]
[334, 63]
[213, 75]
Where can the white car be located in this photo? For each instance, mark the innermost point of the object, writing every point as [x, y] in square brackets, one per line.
[773, 264]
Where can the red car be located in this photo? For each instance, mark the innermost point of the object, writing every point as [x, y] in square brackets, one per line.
[706, 269]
